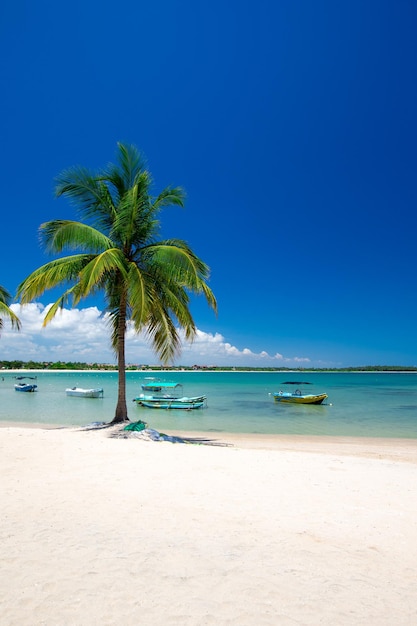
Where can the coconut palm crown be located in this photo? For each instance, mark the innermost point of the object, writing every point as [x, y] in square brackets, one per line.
[117, 252]
[5, 310]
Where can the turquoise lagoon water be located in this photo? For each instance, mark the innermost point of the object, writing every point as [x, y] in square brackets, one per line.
[359, 404]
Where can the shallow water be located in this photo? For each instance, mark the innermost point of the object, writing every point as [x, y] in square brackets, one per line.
[359, 404]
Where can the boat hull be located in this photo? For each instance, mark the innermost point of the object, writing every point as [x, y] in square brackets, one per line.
[300, 399]
[78, 392]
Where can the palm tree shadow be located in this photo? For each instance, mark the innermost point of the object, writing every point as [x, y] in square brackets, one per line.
[197, 441]
[118, 432]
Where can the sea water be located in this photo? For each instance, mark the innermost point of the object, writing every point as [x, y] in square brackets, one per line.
[373, 404]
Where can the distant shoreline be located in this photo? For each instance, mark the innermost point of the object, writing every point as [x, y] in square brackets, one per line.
[234, 370]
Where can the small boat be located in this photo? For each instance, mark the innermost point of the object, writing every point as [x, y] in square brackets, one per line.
[171, 400]
[297, 396]
[157, 385]
[166, 402]
[79, 392]
[25, 387]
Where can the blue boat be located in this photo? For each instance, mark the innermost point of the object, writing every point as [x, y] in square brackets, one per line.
[25, 387]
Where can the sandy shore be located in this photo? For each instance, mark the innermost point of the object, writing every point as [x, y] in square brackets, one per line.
[266, 531]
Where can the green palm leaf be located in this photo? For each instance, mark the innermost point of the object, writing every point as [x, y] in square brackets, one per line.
[61, 234]
[5, 310]
[52, 274]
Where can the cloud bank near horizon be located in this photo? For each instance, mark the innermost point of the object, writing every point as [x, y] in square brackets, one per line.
[83, 335]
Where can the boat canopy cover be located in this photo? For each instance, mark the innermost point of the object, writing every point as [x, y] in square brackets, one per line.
[296, 382]
[163, 384]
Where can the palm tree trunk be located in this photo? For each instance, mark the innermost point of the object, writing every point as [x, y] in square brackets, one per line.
[121, 408]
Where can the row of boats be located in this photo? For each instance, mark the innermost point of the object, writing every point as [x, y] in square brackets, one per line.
[164, 395]
[165, 400]
[73, 391]
[159, 394]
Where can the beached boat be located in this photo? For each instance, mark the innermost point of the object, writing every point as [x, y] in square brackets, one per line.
[166, 402]
[157, 385]
[79, 392]
[25, 387]
[297, 396]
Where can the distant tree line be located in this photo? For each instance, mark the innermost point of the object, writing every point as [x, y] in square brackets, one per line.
[58, 365]
[78, 365]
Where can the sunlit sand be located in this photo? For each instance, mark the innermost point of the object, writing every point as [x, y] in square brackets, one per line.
[261, 531]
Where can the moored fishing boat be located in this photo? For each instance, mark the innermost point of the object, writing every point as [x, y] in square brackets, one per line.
[166, 402]
[163, 400]
[297, 396]
[79, 392]
[25, 387]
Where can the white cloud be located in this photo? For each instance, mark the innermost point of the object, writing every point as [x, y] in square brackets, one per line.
[83, 335]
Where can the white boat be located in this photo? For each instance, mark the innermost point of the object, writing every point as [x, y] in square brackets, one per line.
[79, 392]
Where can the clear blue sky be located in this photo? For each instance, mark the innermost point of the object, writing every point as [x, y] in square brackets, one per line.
[290, 124]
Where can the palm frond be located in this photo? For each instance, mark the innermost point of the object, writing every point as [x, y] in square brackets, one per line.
[162, 333]
[174, 299]
[138, 296]
[50, 275]
[107, 267]
[135, 224]
[180, 265]
[81, 186]
[170, 196]
[6, 312]
[5, 296]
[60, 234]
[162, 303]
[177, 301]
[131, 162]
[124, 225]
[123, 175]
[60, 303]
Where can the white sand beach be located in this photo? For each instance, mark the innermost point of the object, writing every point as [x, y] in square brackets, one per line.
[268, 531]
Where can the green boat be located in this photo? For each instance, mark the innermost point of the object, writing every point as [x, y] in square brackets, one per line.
[171, 402]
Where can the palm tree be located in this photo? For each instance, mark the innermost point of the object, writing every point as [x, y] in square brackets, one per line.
[143, 280]
[5, 311]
